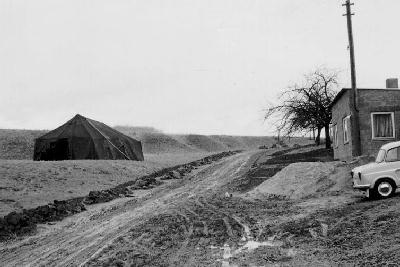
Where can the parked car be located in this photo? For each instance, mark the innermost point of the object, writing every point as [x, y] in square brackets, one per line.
[381, 178]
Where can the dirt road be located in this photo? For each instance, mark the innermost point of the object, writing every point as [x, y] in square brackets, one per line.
[86, 239]
[193, 222]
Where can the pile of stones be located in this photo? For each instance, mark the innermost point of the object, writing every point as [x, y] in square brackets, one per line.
[17, 223]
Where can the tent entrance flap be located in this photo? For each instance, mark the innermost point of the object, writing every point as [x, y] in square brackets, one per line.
[59, 150]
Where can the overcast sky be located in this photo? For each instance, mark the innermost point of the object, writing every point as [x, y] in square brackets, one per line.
[182, 66]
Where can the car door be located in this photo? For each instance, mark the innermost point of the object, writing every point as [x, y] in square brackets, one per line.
[393, 163]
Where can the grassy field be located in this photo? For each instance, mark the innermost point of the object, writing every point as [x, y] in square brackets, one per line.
[27, 184]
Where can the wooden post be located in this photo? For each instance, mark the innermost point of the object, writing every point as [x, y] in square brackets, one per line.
[356, 140]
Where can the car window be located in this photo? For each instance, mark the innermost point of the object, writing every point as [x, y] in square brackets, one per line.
[393, 154]
[381, 156]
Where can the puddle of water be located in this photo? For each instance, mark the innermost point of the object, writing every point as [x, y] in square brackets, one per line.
[248, 244]
[251, 245]
[228, 252]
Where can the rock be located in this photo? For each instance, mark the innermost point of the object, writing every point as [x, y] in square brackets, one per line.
[165, 177]
[175, 175]
[324, 228]
[313, 233]
[184, 169]
[140, 183]
[13, 218]
[228, 195]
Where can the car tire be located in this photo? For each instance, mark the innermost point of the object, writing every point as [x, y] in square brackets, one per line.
[384, 188]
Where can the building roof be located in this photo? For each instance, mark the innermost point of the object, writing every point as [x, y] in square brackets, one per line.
[344, 90]
[338, 96]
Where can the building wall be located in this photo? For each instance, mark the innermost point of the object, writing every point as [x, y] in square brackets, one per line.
[370, 100]
[377, 100]
[340, 110]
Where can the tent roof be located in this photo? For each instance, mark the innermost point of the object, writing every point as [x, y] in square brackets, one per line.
[80, 126]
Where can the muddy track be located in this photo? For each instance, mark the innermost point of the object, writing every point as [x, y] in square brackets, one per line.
[113, 230]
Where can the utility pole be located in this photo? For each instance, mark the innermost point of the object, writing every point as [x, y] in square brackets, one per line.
[351, 48]
[356, 126]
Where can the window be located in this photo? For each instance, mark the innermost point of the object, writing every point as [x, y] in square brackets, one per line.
[381, 156]
[335, 139]
[346, 129]
[382, 124]
[393, 155]
[333, 134]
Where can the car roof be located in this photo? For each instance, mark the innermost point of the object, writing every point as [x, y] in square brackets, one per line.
[390, 145]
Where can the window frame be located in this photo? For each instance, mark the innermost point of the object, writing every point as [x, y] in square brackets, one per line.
[393, 125]
[387, 153]
[331, 133]
[347, 128]
[336, 141]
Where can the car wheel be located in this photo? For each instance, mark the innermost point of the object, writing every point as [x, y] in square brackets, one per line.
[383, 189]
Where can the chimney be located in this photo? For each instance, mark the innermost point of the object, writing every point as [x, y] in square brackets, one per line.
[392, 83]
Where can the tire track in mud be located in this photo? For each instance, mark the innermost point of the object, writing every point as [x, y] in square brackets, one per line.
[236, 219]
[72, 244]
[200, 221]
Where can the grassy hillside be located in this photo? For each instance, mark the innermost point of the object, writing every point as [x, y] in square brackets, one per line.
[201, 142]
[18, 144]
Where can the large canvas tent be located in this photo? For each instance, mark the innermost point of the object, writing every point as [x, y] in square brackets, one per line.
[83, 138]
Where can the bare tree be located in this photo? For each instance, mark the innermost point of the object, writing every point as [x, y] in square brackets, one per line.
[307, 106]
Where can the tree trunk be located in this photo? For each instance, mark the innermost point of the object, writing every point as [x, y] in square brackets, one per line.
[327, 137]
[318, 138]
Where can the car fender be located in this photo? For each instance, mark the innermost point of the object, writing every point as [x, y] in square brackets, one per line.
[390, 177]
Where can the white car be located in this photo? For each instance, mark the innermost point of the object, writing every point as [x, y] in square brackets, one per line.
[380, 178]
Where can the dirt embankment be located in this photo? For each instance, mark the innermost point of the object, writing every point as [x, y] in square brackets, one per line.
[17, 223]
[297, 180]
